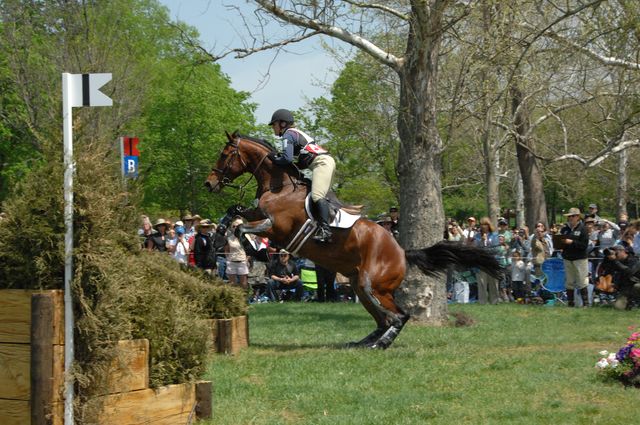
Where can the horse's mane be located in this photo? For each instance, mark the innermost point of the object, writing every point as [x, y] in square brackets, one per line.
[291, 169]
[261, 142]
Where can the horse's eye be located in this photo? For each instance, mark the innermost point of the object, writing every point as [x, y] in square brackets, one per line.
[223, 156]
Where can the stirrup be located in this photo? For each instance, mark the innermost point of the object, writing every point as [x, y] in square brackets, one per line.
[323, 235]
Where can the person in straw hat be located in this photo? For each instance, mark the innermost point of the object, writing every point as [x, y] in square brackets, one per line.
[158, 240]
[203, 253]
[574, 245]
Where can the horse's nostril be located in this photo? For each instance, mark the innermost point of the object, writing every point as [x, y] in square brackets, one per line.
[207, 184]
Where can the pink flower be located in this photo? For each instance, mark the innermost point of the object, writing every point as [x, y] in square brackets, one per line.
[635, 354]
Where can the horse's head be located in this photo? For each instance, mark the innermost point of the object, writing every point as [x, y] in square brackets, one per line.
[230, 165]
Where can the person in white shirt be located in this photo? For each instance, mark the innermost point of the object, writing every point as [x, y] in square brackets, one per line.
[181, 252]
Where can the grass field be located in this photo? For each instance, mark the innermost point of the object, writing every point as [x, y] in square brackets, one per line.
[516, 365]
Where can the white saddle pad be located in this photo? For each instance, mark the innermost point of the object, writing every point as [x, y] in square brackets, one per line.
[342, 220]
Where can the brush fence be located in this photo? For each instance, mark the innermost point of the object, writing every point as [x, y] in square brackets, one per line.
[32, 372]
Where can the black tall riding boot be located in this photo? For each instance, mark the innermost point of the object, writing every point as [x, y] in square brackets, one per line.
[584, 293]
[324, 231]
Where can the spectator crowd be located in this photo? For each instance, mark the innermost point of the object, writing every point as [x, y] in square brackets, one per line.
[251, 262]
[596, 255]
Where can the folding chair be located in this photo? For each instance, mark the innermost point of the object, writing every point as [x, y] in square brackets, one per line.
[309, 282]
[553, 269]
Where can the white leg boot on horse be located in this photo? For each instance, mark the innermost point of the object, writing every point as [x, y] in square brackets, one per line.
[324, 231]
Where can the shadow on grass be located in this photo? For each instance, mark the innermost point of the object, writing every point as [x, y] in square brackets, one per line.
[298, 347]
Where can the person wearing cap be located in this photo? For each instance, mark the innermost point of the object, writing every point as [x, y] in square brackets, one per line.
[158, 240]
[181, 250]
[469, 231]
[284, 275]
[503, 230]
[593, 212]
[237, 265]
[395, 219]
[296, 144]
[575, 244]
[622, 260]
[203, 252]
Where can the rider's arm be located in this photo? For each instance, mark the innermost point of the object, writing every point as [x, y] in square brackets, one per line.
[286, 157]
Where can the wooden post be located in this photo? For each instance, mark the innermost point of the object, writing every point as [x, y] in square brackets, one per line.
[204, 395]
[42, 334]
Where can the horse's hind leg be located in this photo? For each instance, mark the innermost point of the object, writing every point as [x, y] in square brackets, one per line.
[395, 317]
[369, 303]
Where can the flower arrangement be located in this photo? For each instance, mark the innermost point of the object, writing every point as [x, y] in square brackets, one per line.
[625, 364]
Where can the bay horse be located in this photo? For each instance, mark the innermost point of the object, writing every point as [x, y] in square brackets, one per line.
[365, 253]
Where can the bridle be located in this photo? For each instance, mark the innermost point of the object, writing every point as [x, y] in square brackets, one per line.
[225, 180]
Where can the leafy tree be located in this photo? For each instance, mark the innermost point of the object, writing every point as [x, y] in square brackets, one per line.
[185, 120]
[360, 119]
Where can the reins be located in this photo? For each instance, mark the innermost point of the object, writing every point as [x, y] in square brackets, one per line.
[225, 181]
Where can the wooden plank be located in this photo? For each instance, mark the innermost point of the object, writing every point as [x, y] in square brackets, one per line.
[204, 400]
[213, 323]
[15, 316]
[168, 405]
[240, 336]
[41, 357]
[129, 371]
[14, 412]
[58, 316]
[224, 335]
[232, 334]
[15, 365]
[58, 373]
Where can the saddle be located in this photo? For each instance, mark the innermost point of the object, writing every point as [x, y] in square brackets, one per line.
[340, 215]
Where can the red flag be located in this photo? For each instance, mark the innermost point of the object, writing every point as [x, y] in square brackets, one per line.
[130, 146]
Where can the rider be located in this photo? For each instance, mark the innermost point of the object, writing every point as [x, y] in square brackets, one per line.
[296, 143]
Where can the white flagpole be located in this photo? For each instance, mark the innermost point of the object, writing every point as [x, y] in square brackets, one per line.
[67, 108]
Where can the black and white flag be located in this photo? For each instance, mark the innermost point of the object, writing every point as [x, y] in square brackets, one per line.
[84, 90]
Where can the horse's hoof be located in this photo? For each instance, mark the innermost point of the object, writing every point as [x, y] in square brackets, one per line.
[380, 345]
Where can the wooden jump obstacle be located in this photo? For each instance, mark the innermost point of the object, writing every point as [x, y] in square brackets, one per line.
[32, 371]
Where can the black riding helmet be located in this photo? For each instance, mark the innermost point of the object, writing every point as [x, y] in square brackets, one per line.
[282, 115]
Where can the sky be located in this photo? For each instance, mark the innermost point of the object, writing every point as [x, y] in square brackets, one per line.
[301, 73]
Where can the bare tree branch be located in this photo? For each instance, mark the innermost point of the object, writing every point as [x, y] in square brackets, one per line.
[382, 7]
[600, 156]
[333, 31]
[605, 60]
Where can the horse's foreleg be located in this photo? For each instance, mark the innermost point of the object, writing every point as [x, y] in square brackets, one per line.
[256, 227]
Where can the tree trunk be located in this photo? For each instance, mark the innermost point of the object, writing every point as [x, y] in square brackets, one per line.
[419, 163]
[491, 171]
[520, 218]
[534, 200]
[490, 152]
[621, 198]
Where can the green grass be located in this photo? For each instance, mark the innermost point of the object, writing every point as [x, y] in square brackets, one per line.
[516, 365]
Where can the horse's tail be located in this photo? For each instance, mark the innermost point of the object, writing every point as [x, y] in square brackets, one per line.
[439, 257]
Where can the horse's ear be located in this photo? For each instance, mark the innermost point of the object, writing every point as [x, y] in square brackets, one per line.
[236, 134]
[229, 136]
